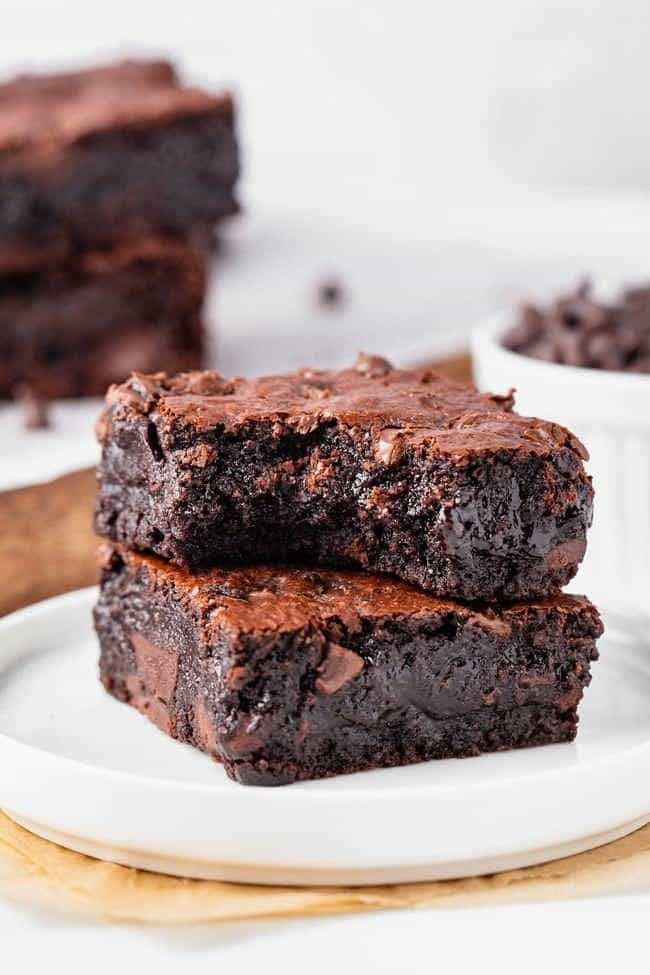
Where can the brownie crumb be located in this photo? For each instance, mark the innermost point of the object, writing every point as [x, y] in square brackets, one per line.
[35, 412]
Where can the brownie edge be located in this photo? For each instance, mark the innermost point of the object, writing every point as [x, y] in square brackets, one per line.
[286, 674]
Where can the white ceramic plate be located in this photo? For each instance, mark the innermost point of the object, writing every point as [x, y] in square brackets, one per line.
[80, 768]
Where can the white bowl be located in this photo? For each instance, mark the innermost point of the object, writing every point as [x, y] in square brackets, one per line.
[610, 413]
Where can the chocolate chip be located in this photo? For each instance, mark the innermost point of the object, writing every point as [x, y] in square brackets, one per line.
[578, 330]
[338, 668]
[330, 293]
[390, 445]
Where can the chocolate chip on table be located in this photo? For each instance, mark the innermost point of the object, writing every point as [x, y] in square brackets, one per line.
[330, 292]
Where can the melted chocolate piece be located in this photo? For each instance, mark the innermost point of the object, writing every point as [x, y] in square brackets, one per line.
[338, 668]
[156, 668]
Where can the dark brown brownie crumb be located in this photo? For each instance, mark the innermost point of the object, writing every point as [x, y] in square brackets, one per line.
[579, 330]
[35, 412]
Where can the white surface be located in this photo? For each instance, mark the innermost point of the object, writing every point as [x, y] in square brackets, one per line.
[610, 412]
[78, 763]
[595, 936]
[389, 98]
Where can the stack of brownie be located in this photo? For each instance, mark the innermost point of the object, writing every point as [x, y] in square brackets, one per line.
[111, 181]
[327, 572]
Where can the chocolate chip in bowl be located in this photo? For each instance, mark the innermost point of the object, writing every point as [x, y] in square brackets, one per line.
[579, 329]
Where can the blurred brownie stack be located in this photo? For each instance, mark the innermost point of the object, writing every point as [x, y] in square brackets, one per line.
[111, 182]
[326, 572]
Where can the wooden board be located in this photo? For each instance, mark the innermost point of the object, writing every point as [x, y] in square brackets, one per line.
[47, 544]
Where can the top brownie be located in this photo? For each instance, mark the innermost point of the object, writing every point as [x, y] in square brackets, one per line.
[395, 471]
[94, 157]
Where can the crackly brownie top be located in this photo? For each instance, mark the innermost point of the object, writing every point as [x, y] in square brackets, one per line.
[392, 409]
[264, 599]
[578, 329]
[40, 114]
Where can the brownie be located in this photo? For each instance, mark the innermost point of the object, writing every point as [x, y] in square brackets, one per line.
[74, 330]
[580, 330]
[286, 673]
[396, 471]
[92, 158]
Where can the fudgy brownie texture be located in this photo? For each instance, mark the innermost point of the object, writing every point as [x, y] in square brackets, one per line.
[580, 330]
[74, 330]
[395, 471]
[92, 158]
[285, 674]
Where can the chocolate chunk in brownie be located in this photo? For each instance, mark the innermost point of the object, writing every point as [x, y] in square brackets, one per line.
[74, 330]
[91, 158]
[286, 673]
[580, 330]
[396, 471]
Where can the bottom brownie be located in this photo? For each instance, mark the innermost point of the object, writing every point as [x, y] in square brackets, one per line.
[285, 674]
[73, 330]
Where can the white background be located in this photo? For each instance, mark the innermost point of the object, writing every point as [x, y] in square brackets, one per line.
[590, 937]
[386, 97]
[443, 158]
